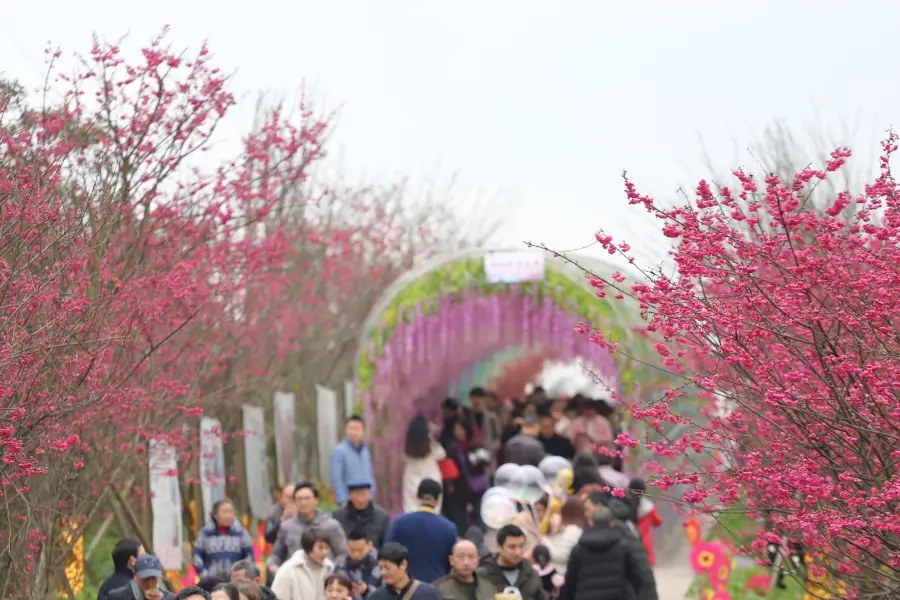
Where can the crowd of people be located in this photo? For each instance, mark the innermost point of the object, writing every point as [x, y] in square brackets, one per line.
[596, 544]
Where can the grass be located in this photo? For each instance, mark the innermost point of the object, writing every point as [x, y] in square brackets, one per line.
[736, 528]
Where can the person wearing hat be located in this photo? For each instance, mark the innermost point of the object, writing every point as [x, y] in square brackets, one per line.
[145, 585]
[428, 536]
[362, 512]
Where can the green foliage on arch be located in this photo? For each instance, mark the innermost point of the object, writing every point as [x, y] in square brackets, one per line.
[455, 278]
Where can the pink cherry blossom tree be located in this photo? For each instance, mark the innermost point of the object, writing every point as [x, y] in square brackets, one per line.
[140, 289]
[783, 317]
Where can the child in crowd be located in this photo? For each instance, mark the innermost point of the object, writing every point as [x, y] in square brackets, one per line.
[360, 564]
[551, 580]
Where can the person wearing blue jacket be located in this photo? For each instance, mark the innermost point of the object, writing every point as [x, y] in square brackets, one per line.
[351, 461]
[221, 543]
[428, 536]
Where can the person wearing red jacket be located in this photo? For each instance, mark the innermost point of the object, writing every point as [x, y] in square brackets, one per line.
[647, 517]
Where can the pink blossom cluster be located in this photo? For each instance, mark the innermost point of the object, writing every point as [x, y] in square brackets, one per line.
[782, 316]
[138, 289]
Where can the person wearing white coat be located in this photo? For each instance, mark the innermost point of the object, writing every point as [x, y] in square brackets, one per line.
[302, 576]
[570, 526]
[422, 455]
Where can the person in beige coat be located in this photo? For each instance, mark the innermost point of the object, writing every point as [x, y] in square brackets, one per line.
[421, 457]
[302, 576]
[565, 531]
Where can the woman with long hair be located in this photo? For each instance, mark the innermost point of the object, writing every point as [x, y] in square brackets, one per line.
[565, 533]
[421, 456]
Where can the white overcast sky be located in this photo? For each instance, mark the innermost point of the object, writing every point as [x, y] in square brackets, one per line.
[539, 103]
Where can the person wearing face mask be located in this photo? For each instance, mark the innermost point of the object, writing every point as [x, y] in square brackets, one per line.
[221, 543]
[145, 584]
[124, 555]
[463, 583]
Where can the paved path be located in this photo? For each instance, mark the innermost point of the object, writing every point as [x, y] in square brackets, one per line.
[673, 569]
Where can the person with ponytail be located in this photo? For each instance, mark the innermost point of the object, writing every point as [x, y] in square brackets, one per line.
[221, 543]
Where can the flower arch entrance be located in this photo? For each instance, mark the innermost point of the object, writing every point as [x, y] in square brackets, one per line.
[443, 326]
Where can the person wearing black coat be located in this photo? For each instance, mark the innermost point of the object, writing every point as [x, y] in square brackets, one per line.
[361, 512]
[125, 553]
[602, 565]
[620, 511]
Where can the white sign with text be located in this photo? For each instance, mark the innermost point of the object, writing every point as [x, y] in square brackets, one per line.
[513, 267]
[212, 463]
[256, 462]
[284, 437]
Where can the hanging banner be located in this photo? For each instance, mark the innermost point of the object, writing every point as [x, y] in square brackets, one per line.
[284, 437]
[327, 424]
[256, 462]
[212, 464]
[301, 463]
[513, 267]
[166, 505]
[349, 401]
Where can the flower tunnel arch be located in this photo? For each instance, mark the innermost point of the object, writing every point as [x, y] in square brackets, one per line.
[444, 326]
